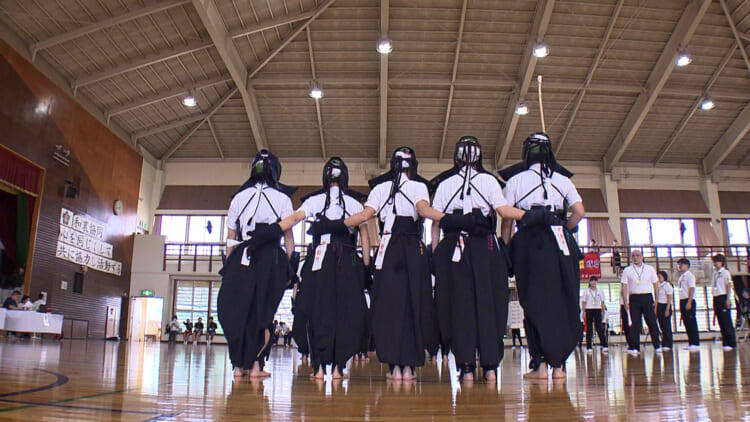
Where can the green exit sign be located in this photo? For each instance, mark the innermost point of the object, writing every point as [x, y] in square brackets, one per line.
[147, 292]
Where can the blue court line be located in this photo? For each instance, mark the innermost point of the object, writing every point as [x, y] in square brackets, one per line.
[60, 381]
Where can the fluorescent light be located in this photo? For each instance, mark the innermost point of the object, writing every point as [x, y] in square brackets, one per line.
[541, 50]
[707, 104]
[683, 59]
[384, 45]
[522, 109]
[316, 92]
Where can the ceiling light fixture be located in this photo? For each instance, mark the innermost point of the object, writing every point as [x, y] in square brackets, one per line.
[315, 91]
[522, 109]
[384, 45]
[707, 104]
[189, 100]
[683, 59]
[541, 50]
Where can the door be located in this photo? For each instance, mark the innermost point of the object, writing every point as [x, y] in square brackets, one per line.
[112, 330]
[145, 318]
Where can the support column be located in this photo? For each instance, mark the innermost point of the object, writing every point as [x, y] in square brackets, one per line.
[710, 194]
[609, 192]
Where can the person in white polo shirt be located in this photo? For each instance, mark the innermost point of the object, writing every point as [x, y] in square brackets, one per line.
[638, 284]
[664, 295]
[594, 304]
[686, 285]
[721, 288]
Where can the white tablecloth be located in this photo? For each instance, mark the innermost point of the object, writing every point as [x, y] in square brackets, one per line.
[31, 322]
[2, 318]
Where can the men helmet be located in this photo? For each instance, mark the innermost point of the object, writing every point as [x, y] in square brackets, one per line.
[537, 148]
[335, 170]
[468, 152]
[266, 168]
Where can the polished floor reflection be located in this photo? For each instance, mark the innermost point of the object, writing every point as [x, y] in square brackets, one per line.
[97, 380]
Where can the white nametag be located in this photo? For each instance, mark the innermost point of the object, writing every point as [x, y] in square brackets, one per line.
[245, 260]
[459, 250]
[320, 253]
[325, 239]
[560, 237]
[381, 250]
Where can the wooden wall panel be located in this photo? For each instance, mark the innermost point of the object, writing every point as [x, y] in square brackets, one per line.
[103, 167]
[734, 202]
[661, 201]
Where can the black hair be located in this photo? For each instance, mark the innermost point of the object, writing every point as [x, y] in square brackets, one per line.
[664, 275]
[683, 261]
[719, 258]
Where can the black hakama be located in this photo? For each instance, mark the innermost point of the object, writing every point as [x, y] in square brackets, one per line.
[548, 290]
[472, 298]
[301, 309]
[332, 302]
[248, 299]
[403, 310]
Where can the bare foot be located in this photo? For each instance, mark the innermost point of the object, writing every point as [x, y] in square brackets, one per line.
[338, 374]
[408, 374]
[491, 375]
[259, 374]
[395, 375]
[239, 373]
[317, 374]
[558, 373]
[539, 374]
[467, 377]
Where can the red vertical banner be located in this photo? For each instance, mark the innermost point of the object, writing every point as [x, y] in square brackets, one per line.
[590, 266]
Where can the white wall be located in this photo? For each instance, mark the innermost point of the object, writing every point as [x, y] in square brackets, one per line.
[147, 274]
[149, 195]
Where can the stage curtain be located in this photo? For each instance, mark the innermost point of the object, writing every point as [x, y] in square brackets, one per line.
[9, 211]
[600, 231]
[25, 206]
[18, 172]
[625, 241]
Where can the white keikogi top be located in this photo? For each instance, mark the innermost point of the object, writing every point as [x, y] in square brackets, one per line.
[722, 282]
[593, 298]
[257, 204]
[485, 194]
[685, 282]
[314, 204]
[525, 191]
[410, 192]
[640, 280]
[665, 289]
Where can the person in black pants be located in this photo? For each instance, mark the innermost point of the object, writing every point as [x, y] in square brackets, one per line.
[721, 288]
[594, 304]
[664, 296]
[625, 325]
[686, 285]
[638, 282]
[516, 334]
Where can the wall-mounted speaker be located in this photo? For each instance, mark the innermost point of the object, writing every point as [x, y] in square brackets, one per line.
[71, 189]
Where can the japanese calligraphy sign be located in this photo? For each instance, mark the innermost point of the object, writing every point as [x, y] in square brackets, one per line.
[590, 266]
[79, 241]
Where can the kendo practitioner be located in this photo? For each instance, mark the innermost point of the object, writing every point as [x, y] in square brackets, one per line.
[471, 266]
[545, 254]
[257, 270]
[403, 324]
[330, 298]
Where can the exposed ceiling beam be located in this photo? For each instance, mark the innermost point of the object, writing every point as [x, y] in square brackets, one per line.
[590, 74]
[696, 105]
[525, 74]
[683, 32]
[195, 127]
[456, 56]
[97, 26]
[214, 24]
[216, 138]
[273, 23]
[141, 62]
[745, 37]
[161, 96]
[383, 86]
[728, 141]
[298, 30]
[317, 101]
[167, 126]
[736, 33]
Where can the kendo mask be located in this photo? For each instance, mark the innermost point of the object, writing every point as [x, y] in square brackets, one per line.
[537, 148]
[404, 158]
[468, 152]
[335, 170]
[266, 168]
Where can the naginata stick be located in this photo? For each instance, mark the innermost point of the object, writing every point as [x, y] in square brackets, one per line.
[541, 105]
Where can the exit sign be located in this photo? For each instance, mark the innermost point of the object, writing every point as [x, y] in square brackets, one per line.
[147, 292]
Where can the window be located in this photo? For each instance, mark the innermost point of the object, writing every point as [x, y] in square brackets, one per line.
[194, 299]
[174, 227]
[738, 232]
[582, 237]
[663, 231]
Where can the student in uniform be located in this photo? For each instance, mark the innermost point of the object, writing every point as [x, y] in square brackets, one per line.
[188, 333]
[686, 284]
[197, 331]
[638, 283]
[257, 270]
[330, 297]
[594, 302]
[403, 325]
[545, 254]
[664, 295]
[721, 289]
[471, 266]
[210, 330]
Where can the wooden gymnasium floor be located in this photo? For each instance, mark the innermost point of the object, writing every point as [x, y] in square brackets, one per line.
[97, 380]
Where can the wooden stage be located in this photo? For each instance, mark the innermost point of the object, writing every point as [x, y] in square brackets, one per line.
[97, 380]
